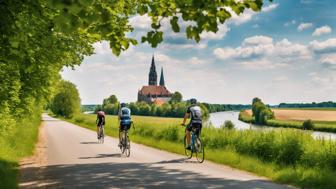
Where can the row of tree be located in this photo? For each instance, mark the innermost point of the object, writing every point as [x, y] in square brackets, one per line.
[328, 104]
[226, 107]
[174, 108]
[261, 112]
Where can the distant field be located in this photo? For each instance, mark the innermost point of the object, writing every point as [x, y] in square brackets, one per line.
[304, 114]
[316, 115]
[324, 109]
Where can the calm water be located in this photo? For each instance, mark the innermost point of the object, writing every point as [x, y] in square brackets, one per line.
[218, 119]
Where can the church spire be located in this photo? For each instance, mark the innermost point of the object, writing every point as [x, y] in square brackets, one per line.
[162, 82]
[152, 73]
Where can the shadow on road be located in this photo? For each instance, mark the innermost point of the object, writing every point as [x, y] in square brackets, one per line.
[180, 160]
[132, 175]
[90, 142]
[102, 156]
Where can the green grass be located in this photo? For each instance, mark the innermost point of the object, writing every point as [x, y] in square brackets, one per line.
[285, 155]
[14, 144]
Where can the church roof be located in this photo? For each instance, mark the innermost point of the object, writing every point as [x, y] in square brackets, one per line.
[154, 90]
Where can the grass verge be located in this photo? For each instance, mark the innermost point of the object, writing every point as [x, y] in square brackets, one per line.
[285, 156]
[14, 144]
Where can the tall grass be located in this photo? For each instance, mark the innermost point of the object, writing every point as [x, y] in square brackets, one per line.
[285, 155]
[16, 143]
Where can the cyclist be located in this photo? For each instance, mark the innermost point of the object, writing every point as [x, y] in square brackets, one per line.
[100, 121]
[195, 114]
[124, 116]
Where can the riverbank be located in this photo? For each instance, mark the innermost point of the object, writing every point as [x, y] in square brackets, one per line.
[285, 156]
[323, 126]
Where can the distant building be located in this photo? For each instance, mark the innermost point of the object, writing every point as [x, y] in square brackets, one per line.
[154, 93]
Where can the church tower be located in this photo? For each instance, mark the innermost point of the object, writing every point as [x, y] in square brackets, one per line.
[162, 83]
[152, 74]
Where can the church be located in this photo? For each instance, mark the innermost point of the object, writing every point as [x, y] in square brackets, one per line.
[153, 93]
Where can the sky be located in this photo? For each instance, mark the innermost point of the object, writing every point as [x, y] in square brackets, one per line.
[285, 53]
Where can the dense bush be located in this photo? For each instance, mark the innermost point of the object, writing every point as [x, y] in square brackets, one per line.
[66, 102]
[308, 124]
[228, 125]
[261, 112]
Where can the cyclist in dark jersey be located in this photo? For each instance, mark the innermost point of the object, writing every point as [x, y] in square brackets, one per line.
[100, 121]
[195, 114]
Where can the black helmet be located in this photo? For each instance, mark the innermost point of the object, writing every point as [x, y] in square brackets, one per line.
[193, 101]
[123, 105]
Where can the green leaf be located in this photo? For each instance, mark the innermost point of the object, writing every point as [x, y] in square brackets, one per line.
[174, 24]
[142, 9]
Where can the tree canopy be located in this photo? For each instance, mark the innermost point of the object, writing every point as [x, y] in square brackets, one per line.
[176, 97]
[39, 38]
[66, 102]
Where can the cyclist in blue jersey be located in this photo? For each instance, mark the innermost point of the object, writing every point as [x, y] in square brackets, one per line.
[124, 117]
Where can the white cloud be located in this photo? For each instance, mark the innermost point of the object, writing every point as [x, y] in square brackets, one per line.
[257, 40]
[225, 53]
[242, 18]
[322, 30]
[235, 19]
[304, 26]
[328, 59]
[264, 47]
[222, 30]
[328, 45]
[270, 7]
[140, 22]
[287, 49]
[102, 48]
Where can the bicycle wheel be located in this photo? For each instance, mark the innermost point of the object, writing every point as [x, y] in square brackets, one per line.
[127, 147]
[199, 149]
[188, 153]
[123, 142]
[102, 135]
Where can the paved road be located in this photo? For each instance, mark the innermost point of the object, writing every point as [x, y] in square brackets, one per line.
[74, 159]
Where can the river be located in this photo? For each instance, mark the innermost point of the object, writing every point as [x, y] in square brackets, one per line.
[218, 119]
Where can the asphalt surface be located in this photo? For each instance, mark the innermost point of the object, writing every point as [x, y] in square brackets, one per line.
[74, 159]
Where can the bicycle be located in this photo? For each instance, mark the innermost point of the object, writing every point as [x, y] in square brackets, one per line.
[125, 142]
[196, 146]
[101, 134]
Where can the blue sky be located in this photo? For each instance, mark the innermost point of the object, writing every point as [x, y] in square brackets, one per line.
[285, 53]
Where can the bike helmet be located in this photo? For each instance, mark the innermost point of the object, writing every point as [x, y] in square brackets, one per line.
[123, 105]
[193, 101]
